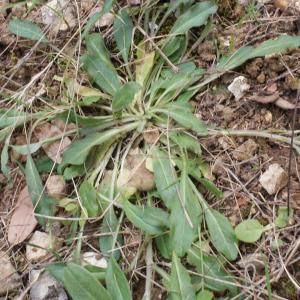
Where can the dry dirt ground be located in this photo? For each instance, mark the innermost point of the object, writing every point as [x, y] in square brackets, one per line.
[237, 176]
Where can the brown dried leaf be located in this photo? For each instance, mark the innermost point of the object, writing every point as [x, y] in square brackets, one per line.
[54, 149]
[22, 221]
[265, 99]
[284, 104]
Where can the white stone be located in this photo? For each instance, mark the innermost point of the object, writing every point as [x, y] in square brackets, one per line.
[9, 278]
[46, 287]
[93, 259]
[43, 242]
[238, 87]
[273, 179]
[106, 20]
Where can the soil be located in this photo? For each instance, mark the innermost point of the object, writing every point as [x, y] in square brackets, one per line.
[243, 195]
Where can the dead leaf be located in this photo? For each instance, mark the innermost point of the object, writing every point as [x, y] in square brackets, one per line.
[151, 135]
[265, 99]
[22, 221]
[134, 175]
[56, 186]
[284, 104]
[53, 149]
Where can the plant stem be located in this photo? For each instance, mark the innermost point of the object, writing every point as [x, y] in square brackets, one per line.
[149, 262]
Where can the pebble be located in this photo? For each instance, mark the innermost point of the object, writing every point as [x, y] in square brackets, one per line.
[46, 287]
[56, 186]
[9, 278]
[238, 87]
[93, 259]
[274, 179]
[43, 243]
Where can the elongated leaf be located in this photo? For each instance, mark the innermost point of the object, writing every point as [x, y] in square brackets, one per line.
[124, 96]
[197, 15]
[12, 117]
[220, 230]
[56, 270]
[163, 244]
[210, 266]
[123, 29]
[4, 161]
[102, 74]
[109, 227]
[81, 284]
[78, 151]
[186, 141]
[27, 29]
[116, 281]
[144, 64]
[185, 218]
[205, 295]
[249, 231]
[221, 233]
[266, 48]
[27, 149]
[41, 203]
[96, 48]
[152, 220]
[88, 198]
[183, 116]
[180, 282]
[165, 178]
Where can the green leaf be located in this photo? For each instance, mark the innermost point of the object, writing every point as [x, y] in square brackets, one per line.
[211, 187]
[116, 281]
[56, 270]
[152, 220]
[144, 64]
[27, 149]
[185, 218]
[81, 284]
[4, 160]
[41, 203]
[221, 233]
[180, 282]
[196, 16]
[96, 48]
[266, 48]
[107, 242]
[88, 198]
[282, 218]
[163, 244]
[123, 29]
[124, 96]
[249, 231]
[27, 29]
[165, 178]
[103, 75]
[184, 117]
[12, 117]
[78, 151]
[205, 295]
[212, 267]
[186, 141]
[73, 171]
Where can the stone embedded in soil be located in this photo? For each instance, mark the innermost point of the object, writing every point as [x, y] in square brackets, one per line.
[56, 186]
[93, 259]
[105, 21]
[245, 151]
[9, 278]
[238, 87]
[46, 287]
[43, 242]
[274, 179]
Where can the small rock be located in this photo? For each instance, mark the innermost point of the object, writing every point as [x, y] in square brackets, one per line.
[238, 87]
[218, 166]
[134, 2]
[9, 278]
[56, 186]
[43, 243]
[93, 259]
[105, 21]
[245, 151]
[46, 287]
[274, 179]
[268, 117]
[59, 14]
[243, 2]
[261, 78]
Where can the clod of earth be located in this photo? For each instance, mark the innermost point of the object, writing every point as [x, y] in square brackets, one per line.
[274, 179]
